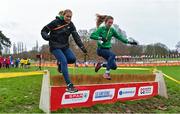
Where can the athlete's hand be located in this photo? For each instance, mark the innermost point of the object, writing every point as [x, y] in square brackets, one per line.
[133, 42]
[84, 49]
[103, 39]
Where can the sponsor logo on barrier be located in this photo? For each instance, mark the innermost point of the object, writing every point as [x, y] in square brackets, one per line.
[126, 92]
[79, 97]
[103, 94]
[145, 90]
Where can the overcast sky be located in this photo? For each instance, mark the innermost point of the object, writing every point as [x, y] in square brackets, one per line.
[147, 21]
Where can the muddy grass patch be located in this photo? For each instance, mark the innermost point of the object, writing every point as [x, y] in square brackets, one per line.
[58, 80]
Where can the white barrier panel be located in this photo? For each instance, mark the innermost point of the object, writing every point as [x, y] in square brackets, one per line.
[45, 93]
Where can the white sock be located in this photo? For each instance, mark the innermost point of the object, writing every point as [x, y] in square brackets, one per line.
[107, 71]
[102, 64]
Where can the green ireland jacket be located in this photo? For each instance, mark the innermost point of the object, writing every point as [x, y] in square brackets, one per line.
[102, 32]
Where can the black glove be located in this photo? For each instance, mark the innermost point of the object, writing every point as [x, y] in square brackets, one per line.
[47, 38]
[84, 49]
[44, 33]
[133, 42]
[103, 39]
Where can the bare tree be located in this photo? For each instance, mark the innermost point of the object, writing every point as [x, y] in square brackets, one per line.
[14, 48]
[178, 47]
[6, 51]
[156, 49]
[44, 50]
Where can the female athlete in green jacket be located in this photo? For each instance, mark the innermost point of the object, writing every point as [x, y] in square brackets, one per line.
[103, 35]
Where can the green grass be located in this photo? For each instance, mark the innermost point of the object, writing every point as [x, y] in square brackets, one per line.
[4, 70]
[173, 71]
[22, 94]
[90, 71]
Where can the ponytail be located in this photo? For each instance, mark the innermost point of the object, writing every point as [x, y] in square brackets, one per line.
[63, 12]
[100, 19]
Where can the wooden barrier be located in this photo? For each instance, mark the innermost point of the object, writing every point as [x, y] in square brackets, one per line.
[54, 96]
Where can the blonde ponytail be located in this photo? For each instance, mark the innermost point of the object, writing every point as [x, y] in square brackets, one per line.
[63, 12]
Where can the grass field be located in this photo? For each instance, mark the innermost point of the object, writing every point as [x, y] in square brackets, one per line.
[21, 94]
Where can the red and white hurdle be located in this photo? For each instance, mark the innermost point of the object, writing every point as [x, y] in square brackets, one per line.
[55, 97]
